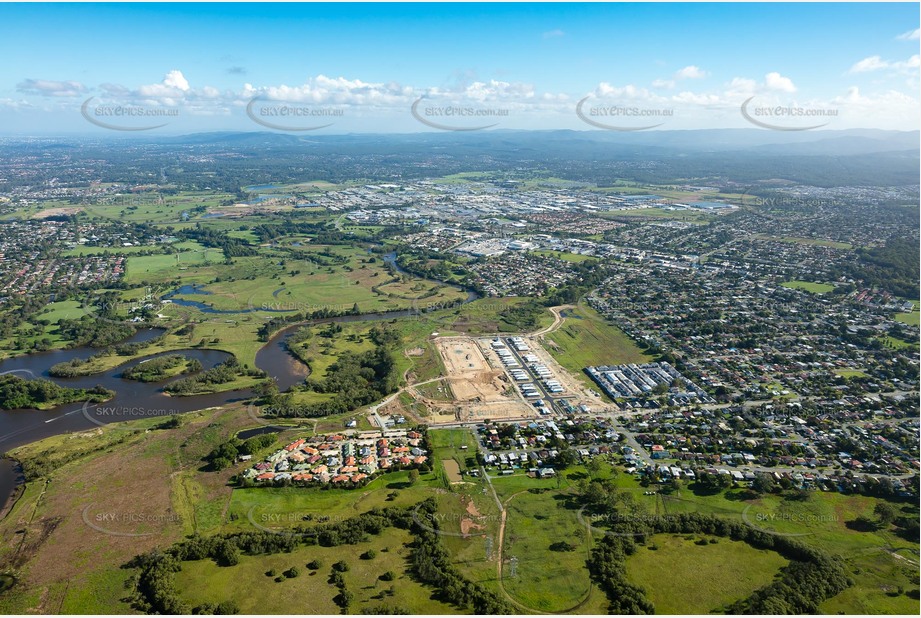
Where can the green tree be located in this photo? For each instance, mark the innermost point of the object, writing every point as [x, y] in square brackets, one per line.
[885, 513]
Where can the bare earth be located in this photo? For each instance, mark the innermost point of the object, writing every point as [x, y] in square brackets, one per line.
[479, 389]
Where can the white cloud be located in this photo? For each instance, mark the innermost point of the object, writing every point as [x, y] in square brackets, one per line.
[51, 88]
[554, 34]
[175, 79]
[170, 91]
[872, 63]
[776, 81]
[875, 63]
[663, 83]
[741, 87]
[690, 72]
[911, 35]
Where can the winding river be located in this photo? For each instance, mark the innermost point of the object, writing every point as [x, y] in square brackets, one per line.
[138, 399]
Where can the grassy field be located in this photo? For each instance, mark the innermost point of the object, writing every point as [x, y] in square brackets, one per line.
[897, 344]
[585, 339]
[809, 286]
[566, 256]
[850, 373]
[277, 280]
[165, 267]
[681, 577]
[291, 504]
[547, 578]
[448, 443]
[156, 208]
[912, 319]
[310, 593]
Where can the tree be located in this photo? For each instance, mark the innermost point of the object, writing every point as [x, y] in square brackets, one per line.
[227, 554]
[226, 608]
[885, 513]
[344, 599]
[413, 476]
[593, 466]
[763, 484]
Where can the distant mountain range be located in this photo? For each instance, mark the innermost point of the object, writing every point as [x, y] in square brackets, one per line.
[816, 142]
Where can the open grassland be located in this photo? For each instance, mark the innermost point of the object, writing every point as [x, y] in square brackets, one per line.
[156, 208]
[449, 446]
[483, 316]
[826, 520]
[585, 339]
[264, 505]
[850, 373]
[69, 534]
[310, 593]
[809, 286]
[566, 256]
[551, 546]
[897, 344]
[681, 577]
[912, 319]
[334, 278]
[167, 267]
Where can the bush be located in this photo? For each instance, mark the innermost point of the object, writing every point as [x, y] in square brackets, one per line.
[227, 608]
[369, 555]
[389, 576]
[314, 565]
[292, 573]
[341, 566]
[344, 599]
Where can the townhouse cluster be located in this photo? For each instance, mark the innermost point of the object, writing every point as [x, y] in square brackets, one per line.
[346, 460]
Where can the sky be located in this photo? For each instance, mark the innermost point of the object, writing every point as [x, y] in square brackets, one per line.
[383, 68]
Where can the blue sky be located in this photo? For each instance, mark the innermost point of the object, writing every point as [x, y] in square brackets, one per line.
[359, 68]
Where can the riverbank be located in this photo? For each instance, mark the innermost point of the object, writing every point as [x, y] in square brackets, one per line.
[12, 484]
